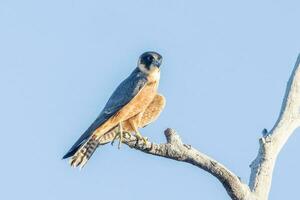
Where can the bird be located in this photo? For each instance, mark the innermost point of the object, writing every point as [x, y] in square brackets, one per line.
[151, 114]
[134, 104]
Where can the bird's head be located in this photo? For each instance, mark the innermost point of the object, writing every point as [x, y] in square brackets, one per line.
[149, 61]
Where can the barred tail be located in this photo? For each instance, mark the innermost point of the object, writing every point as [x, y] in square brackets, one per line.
[83, 154]
[80, 158]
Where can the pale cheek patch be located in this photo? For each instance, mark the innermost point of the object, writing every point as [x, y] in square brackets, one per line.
[143, 69]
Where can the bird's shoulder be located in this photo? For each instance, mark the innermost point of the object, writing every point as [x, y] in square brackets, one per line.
[123, 94]
[126, 91]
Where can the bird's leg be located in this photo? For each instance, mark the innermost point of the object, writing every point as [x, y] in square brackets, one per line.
[137, 133]
[134, 123]
[121, 135]
[115, 137]
[139, 136]
[118, 134]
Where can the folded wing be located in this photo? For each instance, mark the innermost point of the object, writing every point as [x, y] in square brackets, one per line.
[124, 93]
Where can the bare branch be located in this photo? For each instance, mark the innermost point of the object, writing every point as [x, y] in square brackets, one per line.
[271, 144]
[261, 168]
[176, 150]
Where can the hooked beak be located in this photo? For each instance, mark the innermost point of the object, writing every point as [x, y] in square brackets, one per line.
[157, 63]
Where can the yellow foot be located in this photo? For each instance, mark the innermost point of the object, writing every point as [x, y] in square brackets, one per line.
[140, 137]
[116, 137]
[119, 135]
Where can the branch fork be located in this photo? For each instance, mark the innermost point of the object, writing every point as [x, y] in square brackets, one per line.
[262, 167]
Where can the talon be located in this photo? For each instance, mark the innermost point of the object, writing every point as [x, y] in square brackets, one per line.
[119, 135]
[144, 139]
[138, 135]
[127, 135]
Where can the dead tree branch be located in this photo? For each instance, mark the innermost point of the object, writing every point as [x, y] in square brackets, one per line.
[261, 168]
[176, 150]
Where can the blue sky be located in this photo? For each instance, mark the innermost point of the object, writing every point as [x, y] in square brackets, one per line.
[225, 68]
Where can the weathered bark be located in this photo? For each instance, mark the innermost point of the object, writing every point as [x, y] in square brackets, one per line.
[271, 143]
[176, 150]
[261, 168]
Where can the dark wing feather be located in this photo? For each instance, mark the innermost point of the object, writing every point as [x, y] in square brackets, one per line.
[120, 97]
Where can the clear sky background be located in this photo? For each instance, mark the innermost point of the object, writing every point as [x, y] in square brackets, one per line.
[225, 68]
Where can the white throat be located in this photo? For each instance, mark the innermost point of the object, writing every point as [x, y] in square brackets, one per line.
[153, 75]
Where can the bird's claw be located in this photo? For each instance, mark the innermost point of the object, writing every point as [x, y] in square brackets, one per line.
[118, 136]
[144, 139]
[126, 135]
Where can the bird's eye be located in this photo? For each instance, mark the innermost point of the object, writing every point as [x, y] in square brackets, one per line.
[149, 58]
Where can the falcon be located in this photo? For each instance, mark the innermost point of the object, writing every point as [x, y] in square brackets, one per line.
[133, 105]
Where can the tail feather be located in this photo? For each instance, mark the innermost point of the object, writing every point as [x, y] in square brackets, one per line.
[80, 158]
[84, 153]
